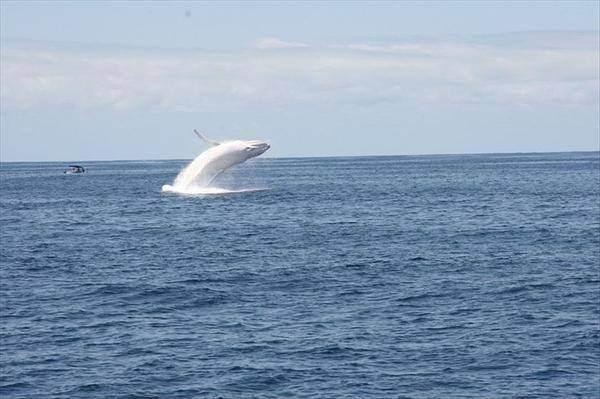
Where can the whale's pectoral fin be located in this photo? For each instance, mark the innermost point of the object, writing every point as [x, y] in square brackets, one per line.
[203, 138]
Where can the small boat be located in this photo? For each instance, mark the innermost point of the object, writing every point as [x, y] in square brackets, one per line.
[74, 169]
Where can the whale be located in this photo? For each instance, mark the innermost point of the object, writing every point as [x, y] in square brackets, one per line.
[219, 157]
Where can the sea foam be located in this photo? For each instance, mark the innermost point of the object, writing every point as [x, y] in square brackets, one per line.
[196, 190]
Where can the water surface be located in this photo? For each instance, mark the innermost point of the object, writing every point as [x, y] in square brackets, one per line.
[406, 277]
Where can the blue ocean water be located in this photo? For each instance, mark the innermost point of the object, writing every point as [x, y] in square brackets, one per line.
[378, 277]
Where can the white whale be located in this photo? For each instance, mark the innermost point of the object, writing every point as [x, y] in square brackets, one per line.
[214, 161]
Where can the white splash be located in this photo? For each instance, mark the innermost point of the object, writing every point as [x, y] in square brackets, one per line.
[196, 178]
[206, 190]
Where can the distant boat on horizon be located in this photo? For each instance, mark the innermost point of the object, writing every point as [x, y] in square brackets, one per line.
[74, 170]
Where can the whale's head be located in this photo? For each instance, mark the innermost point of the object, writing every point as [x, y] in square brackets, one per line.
[255, 147]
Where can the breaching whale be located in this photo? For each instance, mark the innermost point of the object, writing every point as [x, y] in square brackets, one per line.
[214, 161]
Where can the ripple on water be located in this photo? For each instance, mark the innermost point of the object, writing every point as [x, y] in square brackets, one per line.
[434, 276]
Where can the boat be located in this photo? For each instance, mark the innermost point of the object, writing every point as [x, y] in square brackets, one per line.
[74, 169]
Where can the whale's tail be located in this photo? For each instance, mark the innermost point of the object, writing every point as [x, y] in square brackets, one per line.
[206, 140]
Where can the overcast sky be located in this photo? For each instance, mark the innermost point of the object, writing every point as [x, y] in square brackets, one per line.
[119, 80]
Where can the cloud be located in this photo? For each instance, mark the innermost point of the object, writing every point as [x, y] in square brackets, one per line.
[511, 69]
[274, 43]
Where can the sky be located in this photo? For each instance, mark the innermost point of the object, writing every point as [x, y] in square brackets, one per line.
[130, 80]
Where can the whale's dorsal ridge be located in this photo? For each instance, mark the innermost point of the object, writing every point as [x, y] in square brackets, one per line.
[205, 139]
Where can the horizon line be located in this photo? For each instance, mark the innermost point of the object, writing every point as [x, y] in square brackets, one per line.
[317, 156]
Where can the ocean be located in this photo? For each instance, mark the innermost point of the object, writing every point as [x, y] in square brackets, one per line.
[448, 276]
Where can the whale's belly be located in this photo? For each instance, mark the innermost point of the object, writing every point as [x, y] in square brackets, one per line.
[210, 164]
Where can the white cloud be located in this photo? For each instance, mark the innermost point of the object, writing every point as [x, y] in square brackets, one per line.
[477, 71]
[274, 43]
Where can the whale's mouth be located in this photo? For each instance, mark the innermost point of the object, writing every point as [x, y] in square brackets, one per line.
[256, 148]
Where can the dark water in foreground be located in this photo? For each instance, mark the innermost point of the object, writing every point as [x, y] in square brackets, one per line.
[403, 277]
